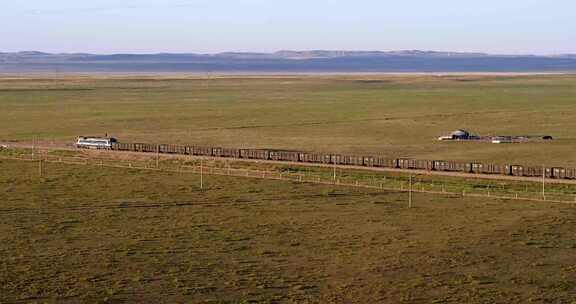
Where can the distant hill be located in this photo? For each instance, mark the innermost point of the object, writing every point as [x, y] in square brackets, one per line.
[286, 62]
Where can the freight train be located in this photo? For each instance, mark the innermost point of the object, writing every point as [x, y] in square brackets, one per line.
[352, 160]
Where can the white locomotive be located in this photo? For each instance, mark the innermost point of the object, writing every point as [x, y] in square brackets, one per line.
[95, 142]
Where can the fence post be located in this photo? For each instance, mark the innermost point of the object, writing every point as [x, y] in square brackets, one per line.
[157, 156]
[334, 171]
[544, 182]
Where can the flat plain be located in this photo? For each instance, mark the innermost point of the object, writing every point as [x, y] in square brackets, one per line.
[95, 235]
[389, 115]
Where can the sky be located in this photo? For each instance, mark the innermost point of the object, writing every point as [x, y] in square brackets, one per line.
[211, 26]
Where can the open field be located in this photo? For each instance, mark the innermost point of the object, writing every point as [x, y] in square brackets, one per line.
[99, 234]
[384, 115]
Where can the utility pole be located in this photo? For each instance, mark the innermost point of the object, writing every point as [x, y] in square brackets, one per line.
[33, 146]
[40, 167]
[544, 182]
[410, 192]
[201, 176]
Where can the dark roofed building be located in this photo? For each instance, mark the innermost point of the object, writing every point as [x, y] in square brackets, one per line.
[460, 134]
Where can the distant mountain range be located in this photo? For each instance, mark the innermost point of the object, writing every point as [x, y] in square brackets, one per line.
[320, 61]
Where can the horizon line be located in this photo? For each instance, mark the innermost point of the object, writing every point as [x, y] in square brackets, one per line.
[279, 51]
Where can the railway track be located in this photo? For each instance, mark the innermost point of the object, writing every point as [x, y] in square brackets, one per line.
[131, 154]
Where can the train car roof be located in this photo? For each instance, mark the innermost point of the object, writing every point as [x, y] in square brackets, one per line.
[96, 137]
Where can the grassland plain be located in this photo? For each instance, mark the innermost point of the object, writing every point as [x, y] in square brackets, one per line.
[383, 115]
[88, 234]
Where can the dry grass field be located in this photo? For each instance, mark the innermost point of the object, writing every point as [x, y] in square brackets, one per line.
[88, 234]
[383, 115]
[94, 235]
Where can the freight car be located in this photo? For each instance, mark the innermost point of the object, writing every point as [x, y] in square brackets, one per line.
[476, 168]
[255, 154]
[291, 156]
[369, 161]
[570, 173]
[319, 158]
[351, 160]
[533, 171]
[146, 147]
[124, 147]
[384, 162]
[201, 151]
[230, 153]
[172, 149]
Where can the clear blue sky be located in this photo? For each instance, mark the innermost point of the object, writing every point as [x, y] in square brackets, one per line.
[143, 26]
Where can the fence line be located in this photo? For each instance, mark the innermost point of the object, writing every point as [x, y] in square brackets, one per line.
[273, 175]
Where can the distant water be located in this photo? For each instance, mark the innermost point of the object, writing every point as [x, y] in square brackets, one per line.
[223, 64]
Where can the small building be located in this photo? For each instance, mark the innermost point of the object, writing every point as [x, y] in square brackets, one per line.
[460, 134]
[456, 135]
